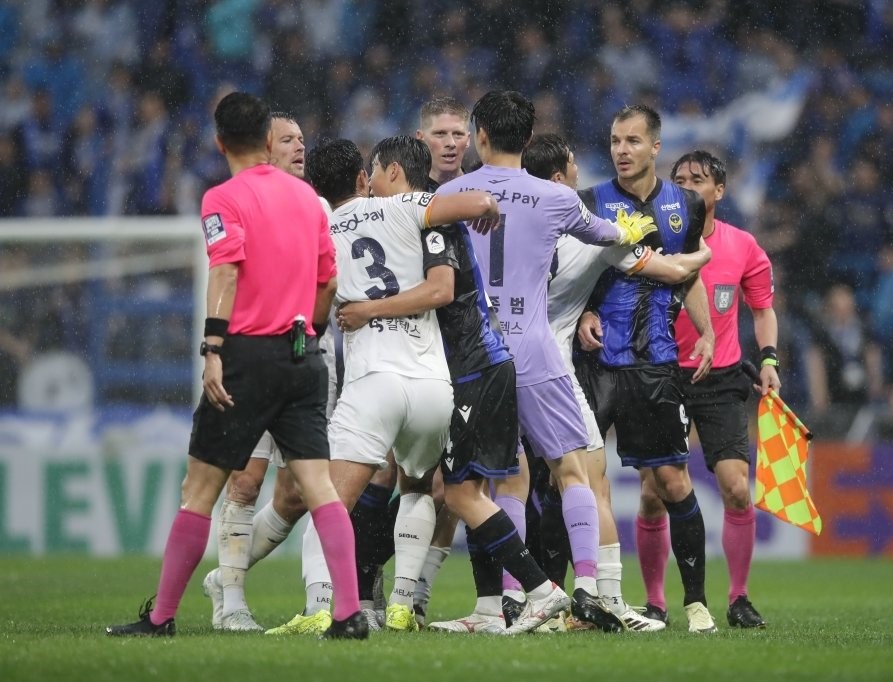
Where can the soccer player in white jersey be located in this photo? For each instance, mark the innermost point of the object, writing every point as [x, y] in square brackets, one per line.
[577, 267]
[397, 391]
[244, 536]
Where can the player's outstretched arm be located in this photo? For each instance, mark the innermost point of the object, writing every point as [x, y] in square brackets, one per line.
[446, 209]
[678, 267]
[436, 291]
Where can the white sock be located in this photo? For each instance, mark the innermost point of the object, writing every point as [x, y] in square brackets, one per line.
[268, 532]
[610, 570]
[433, 563]
[541, 591]
[233, 550]
[413, 531]
[489, 606]
[316, 573]
[587, 583]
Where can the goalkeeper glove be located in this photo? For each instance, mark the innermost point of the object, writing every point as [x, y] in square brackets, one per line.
[633, 227]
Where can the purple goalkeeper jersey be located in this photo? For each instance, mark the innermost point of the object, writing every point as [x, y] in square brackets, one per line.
[516, 257]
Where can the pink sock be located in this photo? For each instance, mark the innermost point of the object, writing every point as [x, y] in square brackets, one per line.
[516, 511]
[738, 535]
[336, 536]
[186, 543]
[653, 546]
[581, 520]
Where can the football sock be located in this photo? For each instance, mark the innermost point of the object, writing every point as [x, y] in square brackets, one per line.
[269, 530]
[485, 569]
[500, 538]
[516, 511]
[336, 538]
[610, 571]
[369, 516]
[412, 538]
[556, 550]
[234, 550]
[490, 606]
[653, 548]
[687, 538]
[738, 537]
[581, 520]
[433, 563]
[185, 547]
[315, 572]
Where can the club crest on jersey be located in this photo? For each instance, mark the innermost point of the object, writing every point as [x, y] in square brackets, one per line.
[434, 240]
[676, 222]
[213, 227]
[723, 297]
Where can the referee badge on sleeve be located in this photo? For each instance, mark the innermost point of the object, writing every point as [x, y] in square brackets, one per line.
[723, 297]
[213, 227]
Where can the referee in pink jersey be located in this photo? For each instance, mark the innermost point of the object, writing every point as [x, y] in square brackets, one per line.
[271, 281]
[717, 404]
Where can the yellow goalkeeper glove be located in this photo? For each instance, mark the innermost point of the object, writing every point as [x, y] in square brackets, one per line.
[633, 227]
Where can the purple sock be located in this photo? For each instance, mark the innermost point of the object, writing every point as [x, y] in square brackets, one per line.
[581, 521]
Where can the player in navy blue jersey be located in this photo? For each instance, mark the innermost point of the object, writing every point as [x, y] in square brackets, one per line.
[634, 379]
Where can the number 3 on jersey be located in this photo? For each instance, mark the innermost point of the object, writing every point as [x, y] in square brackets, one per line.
[376, 269]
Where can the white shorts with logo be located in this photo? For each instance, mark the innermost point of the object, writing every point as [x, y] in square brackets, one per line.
[382, 410]
[266, 448]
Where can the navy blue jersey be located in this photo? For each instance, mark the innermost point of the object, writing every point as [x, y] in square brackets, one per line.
[471, 339]
[637, 313]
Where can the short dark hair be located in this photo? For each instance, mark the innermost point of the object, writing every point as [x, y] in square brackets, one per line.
[708, 162]
[441, 105]
[413, 156]
[652, 118]
[507, 116]
[332, 168]
[243, 122]
[286, 115]
[545, 155]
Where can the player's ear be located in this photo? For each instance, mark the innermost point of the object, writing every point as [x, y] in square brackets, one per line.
[270, 140]
[557, 176]
[362, 183]
[720, 192]
[419, 135]
[219, 145]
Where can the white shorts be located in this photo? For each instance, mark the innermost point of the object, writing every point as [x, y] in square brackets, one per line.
[383, 410]
[327, 344]
[266, 448]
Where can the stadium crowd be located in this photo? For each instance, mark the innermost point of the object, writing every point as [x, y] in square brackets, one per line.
[105, 109]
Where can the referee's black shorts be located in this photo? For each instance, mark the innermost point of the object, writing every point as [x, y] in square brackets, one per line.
[717, 406]
[271, 393]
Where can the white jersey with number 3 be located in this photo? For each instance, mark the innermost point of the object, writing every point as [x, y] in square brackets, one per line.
[379, 254]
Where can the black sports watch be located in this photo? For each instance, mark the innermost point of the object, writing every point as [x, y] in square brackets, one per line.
[206, 348]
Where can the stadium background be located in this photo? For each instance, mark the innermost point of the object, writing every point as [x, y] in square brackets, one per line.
[106, 148]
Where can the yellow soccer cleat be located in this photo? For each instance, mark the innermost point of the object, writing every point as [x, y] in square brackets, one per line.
[400, 618]
[316, 624]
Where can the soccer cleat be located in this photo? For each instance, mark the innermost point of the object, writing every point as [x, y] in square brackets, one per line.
[634, 621]
[590, 609]
[317, 624]
[511, 609]
[742, 614]
[239, 620]
[373, 619]
[214, 591]
[419, 609]
[378, 590]
[653, 612]
[538, 611]
[699, 618]
[400, 618]
[472, 624]
[574, 624]
[352, 627]
[144, 627]
[554, 625]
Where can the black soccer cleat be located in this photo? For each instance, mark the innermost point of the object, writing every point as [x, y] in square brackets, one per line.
[144, 627]
[590, 609]
[654, 612]
[511, 609]
[742, 614]
[352, 627]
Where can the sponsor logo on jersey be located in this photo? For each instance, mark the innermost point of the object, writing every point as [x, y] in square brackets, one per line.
[434, 240]
[584, 212]
[675, 206]
[723, 297]
[676, 222]
[350, 224]
[213, 227]
[617, 205]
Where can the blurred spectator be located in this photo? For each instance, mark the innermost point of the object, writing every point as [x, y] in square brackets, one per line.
[843, 363]
[12, 182]
[160, 73]
[42, 200]
[15, 103]
[145, 163]
[85, 165]
[40, 134]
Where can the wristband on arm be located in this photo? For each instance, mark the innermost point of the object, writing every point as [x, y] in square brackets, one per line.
[215, 326]
[768, 356]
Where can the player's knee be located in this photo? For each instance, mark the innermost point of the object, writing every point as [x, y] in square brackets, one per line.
[243, 487]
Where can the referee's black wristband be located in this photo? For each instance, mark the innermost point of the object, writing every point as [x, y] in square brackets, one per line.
[320, 329]
[215, 326]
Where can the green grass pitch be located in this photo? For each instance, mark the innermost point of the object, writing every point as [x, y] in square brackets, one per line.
[828, 620]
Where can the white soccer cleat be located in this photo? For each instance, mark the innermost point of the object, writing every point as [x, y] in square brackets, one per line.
[699, 618]
[538, 611]
[374, 618]
[475, 623]
[213, 590]
[633, 621]
[239, 620]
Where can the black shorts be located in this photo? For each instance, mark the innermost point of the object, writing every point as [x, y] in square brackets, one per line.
[484, 427]
[644, 404]
[717, 406]
[271, 393]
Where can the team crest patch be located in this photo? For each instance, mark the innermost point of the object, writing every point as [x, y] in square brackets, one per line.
[434, 240]
[723, 297]
[676, 223]
[213, 227]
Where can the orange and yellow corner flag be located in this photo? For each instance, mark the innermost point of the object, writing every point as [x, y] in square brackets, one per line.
[782, 447]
